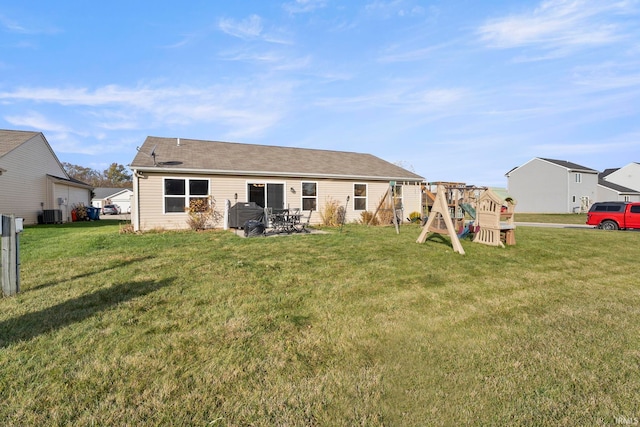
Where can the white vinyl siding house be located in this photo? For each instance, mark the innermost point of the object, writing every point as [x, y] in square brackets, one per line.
[552, 186]
[608, 191]
[270, 176]
[110, 195]
[627, 176]
[33, 180]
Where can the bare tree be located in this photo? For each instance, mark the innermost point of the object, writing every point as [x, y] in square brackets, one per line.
[115, 176]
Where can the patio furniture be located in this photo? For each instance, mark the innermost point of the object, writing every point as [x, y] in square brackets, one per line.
[283, 220]
[302, 226]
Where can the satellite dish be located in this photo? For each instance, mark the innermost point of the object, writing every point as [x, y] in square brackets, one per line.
[152, 154]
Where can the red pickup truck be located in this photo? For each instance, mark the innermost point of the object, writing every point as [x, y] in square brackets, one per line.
[614, 215]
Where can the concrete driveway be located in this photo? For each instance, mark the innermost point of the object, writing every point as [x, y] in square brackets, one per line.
[120, 217]
[551, 225]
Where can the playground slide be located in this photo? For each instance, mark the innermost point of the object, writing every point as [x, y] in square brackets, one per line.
[466, 207]
[430, 196]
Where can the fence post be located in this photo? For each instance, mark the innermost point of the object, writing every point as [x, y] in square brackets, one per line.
[9, 259]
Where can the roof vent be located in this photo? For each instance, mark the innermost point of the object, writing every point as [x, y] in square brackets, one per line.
[178, 143]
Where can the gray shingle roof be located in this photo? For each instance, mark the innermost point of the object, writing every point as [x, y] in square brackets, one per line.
[251, 159]
[607, 172]
[106, 192]
[615, 187]
[11, 139]
[570, 165]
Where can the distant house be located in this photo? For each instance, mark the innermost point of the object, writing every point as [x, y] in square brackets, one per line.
[611, 184]
[552, 186]
[117, 196]
[33, 182]
[608, 191]
[627, 176]
[169, 172]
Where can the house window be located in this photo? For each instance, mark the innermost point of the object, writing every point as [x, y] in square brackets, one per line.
[573, 199]
[179, 192]
[397, 195]
[627, 198]
[309, 196]
[578, 177]
[360, 197]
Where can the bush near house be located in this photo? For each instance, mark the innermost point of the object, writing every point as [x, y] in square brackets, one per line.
[202, 214]
[415, 217]
[332, 214]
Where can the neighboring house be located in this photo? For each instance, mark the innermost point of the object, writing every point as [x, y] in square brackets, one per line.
[627, 176]
[552, 186]
[609, 191]
[33, 181]
[168, 172]
[118, 196]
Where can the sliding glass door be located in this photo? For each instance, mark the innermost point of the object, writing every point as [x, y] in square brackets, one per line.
[269, 195]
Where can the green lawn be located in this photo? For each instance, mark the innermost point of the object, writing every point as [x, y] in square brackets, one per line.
[552, 218]
[363, 327]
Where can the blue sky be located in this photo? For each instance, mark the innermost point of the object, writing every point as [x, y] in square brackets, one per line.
[456, 90]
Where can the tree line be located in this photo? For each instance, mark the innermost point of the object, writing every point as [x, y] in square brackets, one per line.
[115, 176]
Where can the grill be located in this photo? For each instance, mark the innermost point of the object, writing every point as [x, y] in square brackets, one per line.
[240, 213]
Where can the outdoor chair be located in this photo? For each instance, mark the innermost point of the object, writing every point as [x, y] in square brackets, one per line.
[303, 226]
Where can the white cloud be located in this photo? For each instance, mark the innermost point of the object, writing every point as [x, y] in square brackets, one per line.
[388, 9]
[400, 54]
[246, 108]
[13, 26]
[185, 40]
[66, 143]
[248, 28]
[559, 24]
[34, 119]
[577, 149]
[303, 6]
[608, 75]
[406, 100]
[251, 28]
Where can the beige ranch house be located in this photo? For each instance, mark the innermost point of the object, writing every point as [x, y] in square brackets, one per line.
[169, 172]
[33, 182]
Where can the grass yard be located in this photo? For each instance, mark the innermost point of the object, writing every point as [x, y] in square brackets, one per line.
[363, 327]
[552, 218]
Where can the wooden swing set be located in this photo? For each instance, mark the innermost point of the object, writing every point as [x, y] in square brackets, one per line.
[440, 222]
[389, 199]
[492, 214]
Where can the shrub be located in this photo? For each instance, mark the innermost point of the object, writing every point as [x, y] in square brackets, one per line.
[367, 217]
[415, 217]
[386, 211]
[202, 214]
[332, 214]
[126, 228]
